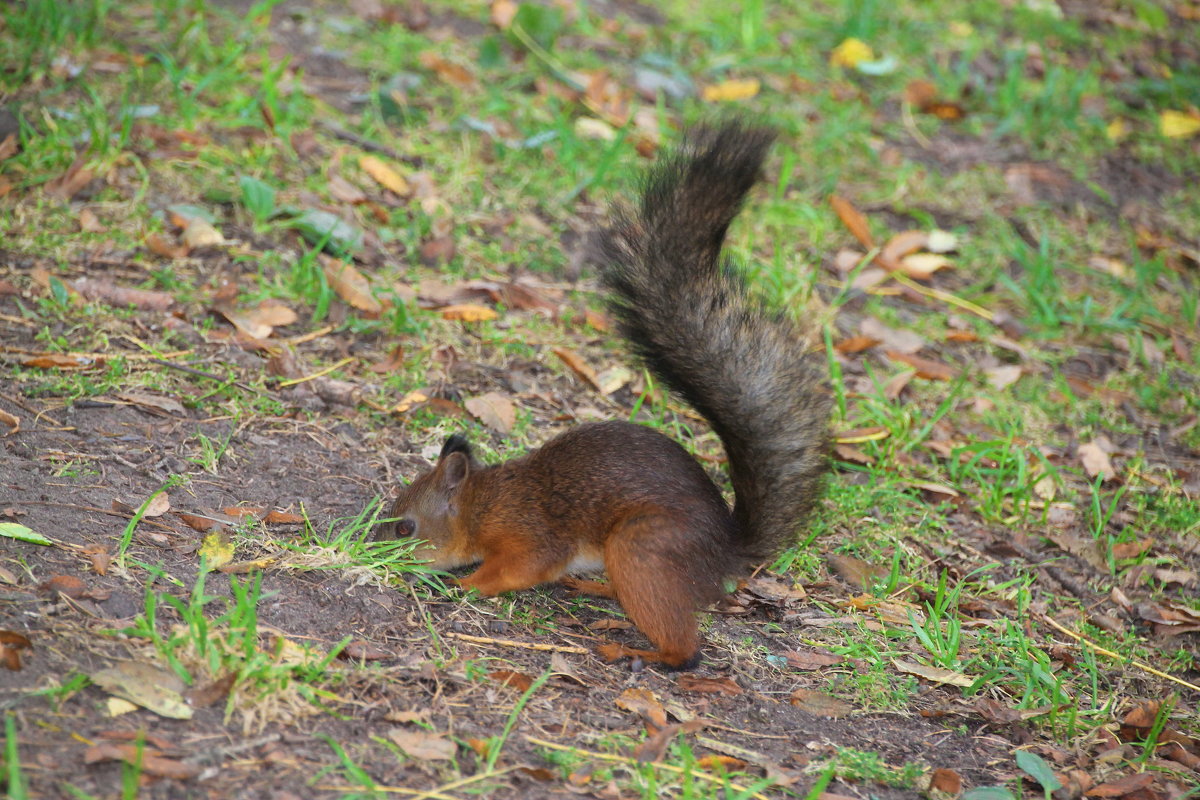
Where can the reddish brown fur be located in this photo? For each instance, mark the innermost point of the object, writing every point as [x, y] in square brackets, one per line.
[625, 495]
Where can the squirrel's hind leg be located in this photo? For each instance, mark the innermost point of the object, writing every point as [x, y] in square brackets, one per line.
[654, 589]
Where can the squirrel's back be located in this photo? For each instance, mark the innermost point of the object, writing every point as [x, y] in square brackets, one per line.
[747, 370]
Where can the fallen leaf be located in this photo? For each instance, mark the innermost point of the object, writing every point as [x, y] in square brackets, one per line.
[578, 366]
[161, 247]
[448, 71]
[1178, 124]
[259, 322]
[62, 361]
[643, 703]
[385, 175]
[199, 232]
[939, 241]
[11, 645]
[1003, 377]
[503, 12]
[855, 344]
[15, 530]
[932, 673]
[921, 266]
[148, 686]
[1095, 461]
[926, 368]
[494, 410]
[148, 760]
[344, 190]
[90, 223]
[1122, 786]
[393, 362]
[731, 90]
[853, 219]
[68, 585]
[517, 680]
[11, 421]
[350, 285]
[216, 549]
[946, 781]
[850, 53]
[168, 405]
[812, 659]
[469, 312]
[211, 692]
[820, 704]
[423, 745]
[70, 182]
[855, 571]
[902, 244]
[122, 296]
[704, 685]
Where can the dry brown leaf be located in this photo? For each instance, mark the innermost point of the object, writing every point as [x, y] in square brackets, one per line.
[578, 366]
[260, 322]
[70, 182]
[926, 368]
[931, 673]
[1122, 786]
[812, 659]
[344, 190]
[385, 175]
[158, 402]
[161, 247]
[517, 680]
[148, 760]
[901, 245]
[1003, 377]
[855, 455]
[643, 703]
[199, 232]
[1095, 461]
[437, 250]
[853, 219]
[503, 12]
[855, 344]
[8, 147]
[393, 362]
[494, 410]
[448, 71]
[898, 339]
[855, 571]
[351, 285]
[423, 745]
[820, 704]
[469, 312]
[11, 645]
[921, 266]
[62, 361]
[12, 422]
[90, 223]
[122, 296]
[704, 685]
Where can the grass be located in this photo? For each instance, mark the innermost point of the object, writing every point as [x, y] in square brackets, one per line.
[188, 110]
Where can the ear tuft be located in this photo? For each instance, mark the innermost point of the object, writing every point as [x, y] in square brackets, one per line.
[457, 443]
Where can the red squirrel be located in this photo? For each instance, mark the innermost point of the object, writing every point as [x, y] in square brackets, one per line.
[623, 496]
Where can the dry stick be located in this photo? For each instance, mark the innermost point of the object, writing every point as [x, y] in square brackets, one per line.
[524, 645]
[634, 762]
[317, 374]
[202, 374]
[945, 297]
[428, 794]
[1117, 656]
[367, 144]
[19, 403]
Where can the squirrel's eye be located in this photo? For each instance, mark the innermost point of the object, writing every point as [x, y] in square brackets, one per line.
[406, 527]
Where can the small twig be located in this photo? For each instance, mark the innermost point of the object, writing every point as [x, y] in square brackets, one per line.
[89, 456]
[428, 794]
[945, 297]
[634, 763]
[556, 648]
[1117, 656]
[199, 373]
[317, 374]
[19, 403]
[308, 337]
[367, 144]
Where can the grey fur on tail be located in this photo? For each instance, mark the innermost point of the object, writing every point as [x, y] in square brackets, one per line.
[688, 313]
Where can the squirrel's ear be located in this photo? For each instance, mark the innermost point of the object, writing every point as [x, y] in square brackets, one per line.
[454, 469]
[457, 443]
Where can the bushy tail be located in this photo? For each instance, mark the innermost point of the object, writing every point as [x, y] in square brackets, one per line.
[688, 315]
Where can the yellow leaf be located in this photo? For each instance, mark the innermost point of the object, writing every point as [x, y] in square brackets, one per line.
[1116, 130]
[1178, 124]
[384, 175]
[851, 53]
[731, 90]
[217, 549]
[469, 312]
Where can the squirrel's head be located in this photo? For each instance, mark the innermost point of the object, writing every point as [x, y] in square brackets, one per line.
[428, 508]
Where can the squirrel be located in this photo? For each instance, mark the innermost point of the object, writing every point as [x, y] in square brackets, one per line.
[623, 496]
